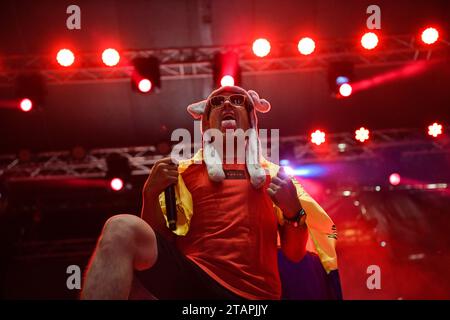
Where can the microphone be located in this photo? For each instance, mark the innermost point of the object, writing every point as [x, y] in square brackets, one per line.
[171, 206]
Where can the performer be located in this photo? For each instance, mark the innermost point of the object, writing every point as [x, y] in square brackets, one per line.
[228, 218]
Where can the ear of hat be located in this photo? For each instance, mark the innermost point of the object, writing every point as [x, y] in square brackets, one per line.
[197, 109]
[261, 105]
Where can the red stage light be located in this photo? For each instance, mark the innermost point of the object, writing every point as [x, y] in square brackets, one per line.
[261, 47]
[306, 46]
[116, 184]
[430, 35]
[435, 129]
[318, 137]
[144, 85]
[345, 90]
[65, 57]
[26, 105]
[362, 134]
[110, 57]
[369, 40]
[227, 81]
[394, 179]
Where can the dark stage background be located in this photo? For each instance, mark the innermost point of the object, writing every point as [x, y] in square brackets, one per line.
[48, 224]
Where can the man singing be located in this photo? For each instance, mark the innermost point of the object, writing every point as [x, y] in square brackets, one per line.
[229, 214]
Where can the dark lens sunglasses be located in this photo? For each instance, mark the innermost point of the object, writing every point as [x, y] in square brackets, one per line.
[237, 100]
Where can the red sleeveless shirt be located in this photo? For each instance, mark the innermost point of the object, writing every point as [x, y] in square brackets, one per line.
[233, 232]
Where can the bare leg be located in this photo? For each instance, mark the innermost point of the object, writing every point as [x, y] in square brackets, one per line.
[126, 243]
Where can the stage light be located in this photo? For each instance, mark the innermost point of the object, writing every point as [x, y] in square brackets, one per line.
[369, 40]
[318, 137]
[306, 46]
[146, 74]
[144, 85]
[342, 147]
[24, 155]
[383, 244]
[226, 69]
[340, 76]
[436, 186]
[78, 153]
[362, 134]
[435, 129]
[26, 105]
[394, 179]
[163, 147]
[118, 170]
[341, 80]
[289, 171]
[116, 184]
[65, 57]
[307, 171]
[227, 81]
[345, 89]
[430, 35]
[261, 47]
[110, 57]
[30, 91]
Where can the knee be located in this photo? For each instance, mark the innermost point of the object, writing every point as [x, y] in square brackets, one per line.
[119, 232]
[128, 234]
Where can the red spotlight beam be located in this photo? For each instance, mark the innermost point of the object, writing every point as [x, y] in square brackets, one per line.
[65, 182]
[410, 70]
[10, 104]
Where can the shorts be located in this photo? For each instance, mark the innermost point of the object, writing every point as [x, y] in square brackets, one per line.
[176, 277]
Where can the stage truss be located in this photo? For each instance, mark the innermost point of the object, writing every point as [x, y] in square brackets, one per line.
[191, 63]
[409, 143]
[338, 147]
[188, 63]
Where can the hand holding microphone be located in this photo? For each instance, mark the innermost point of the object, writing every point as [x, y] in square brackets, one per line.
[171, 206]
[163, 177]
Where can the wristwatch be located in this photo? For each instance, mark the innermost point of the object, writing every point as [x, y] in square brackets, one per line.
[298, 219]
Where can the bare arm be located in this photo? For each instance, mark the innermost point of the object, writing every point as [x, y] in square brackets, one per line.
[163, 174]
[293, 239]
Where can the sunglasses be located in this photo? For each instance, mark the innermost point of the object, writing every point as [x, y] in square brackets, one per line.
[237, 100]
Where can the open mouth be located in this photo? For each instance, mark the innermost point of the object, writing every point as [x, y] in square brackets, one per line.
[228, 117]
[228, 121]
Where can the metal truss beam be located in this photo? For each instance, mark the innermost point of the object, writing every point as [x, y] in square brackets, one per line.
[63, 249]
[188, 63]
[339, 147]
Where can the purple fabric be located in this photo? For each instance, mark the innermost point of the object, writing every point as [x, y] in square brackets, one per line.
[307, 279]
